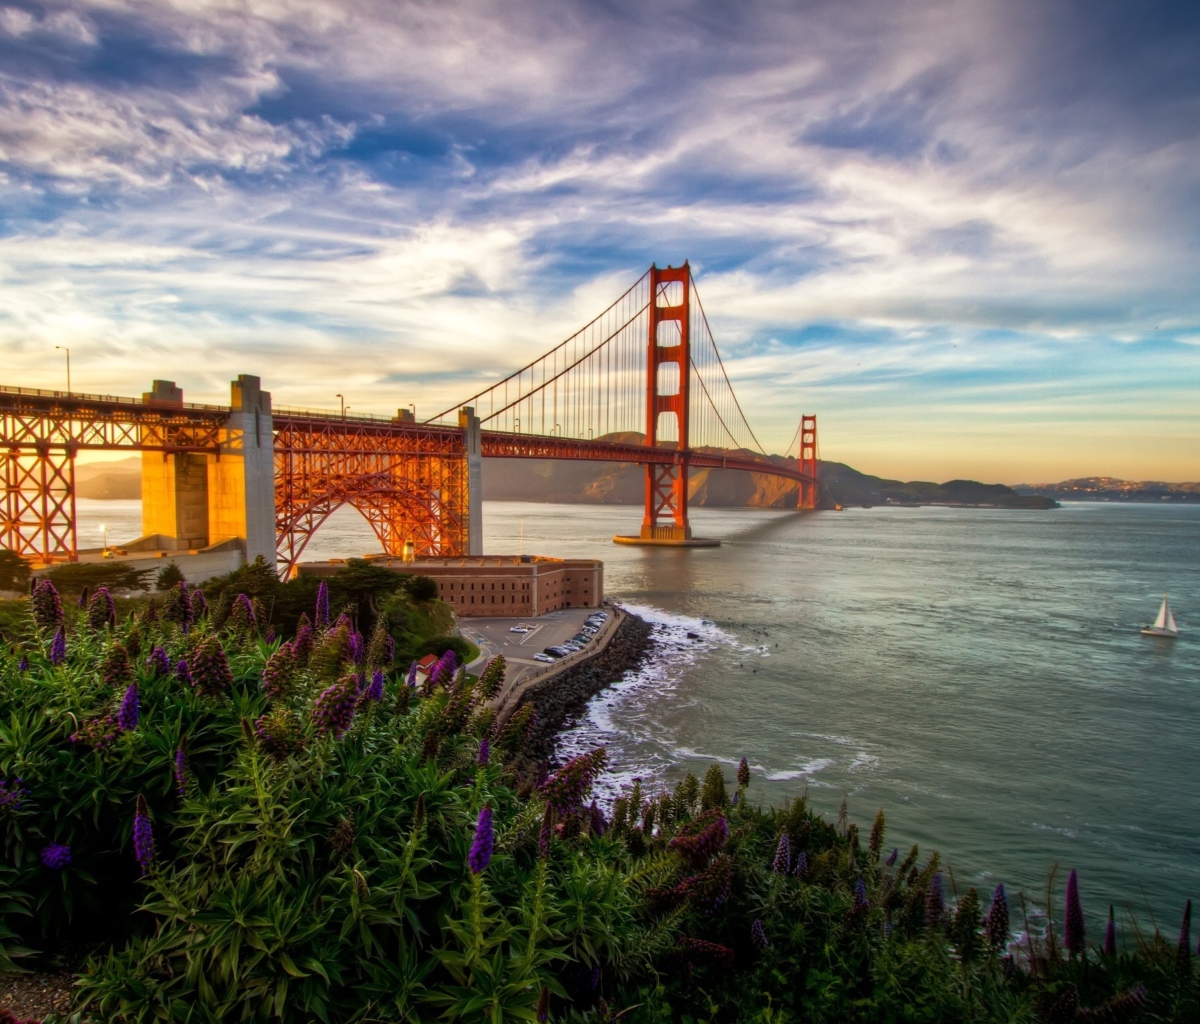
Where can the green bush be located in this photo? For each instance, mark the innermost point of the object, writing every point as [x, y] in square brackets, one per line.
[328, 850]
[14, 571]
[439, 645]
[170, 575]
[71, 577]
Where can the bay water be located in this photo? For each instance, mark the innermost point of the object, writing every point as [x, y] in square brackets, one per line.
[979, 673]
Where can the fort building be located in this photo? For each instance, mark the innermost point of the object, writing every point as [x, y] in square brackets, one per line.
[513, 586]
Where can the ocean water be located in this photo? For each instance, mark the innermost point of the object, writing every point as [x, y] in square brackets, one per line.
[978, 673]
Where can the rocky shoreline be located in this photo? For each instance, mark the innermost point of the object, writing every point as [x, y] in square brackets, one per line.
[562, 697]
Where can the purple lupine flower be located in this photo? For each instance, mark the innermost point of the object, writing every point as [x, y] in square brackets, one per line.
[736, 799]
[566, 789]
[935, 902]
[158, 663]
[211, 674]
[270, 636]
[891, 861]
[1110, 934]
[411, 678]
[183, 776]
[241, 615]
[995, 925]
[333, 710]
[183, 673]
[375, 690]
[46, 605]
[58, 647]
[481, 848]
[23, 664]
[101, 610]
[485, 753]
[860, 895]
[758, 934]
[322, 611]
[700, 848]
[143, 835]
[357, 647]
[598, 824]
[128, 714]
[743, 773]
[783, 854]
[11, 794]
[801, 869]
[197, 605]
[56, 856]
[177, 607]
[1073, 932]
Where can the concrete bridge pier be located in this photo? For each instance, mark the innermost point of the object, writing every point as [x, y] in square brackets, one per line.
[473, 447]
[195, 501]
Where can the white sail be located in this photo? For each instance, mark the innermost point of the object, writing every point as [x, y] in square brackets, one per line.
[1163, 612]
[1171, 627]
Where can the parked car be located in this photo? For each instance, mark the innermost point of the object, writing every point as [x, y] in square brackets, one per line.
[543, 657]
[518, 629]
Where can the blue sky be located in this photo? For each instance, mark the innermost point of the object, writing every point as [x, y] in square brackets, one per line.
[964, 233]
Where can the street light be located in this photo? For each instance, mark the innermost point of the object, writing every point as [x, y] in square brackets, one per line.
[343, 401]
[104, 531]
[68, 352]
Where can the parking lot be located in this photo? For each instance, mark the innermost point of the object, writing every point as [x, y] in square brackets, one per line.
[494, 636]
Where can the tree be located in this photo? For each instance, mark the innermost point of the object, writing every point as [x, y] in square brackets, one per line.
[14, 571]
[170, 575]
[71, 578]
[421, 588]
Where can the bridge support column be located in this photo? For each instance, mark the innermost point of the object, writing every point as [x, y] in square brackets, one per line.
[809, 495]
[668, 377]
[473, 447]
[193, 501]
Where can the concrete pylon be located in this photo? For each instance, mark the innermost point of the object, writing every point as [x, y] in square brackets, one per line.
[192, 501]
[473, 446]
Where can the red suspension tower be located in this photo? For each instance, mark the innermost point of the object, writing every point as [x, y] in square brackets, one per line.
[808, 496]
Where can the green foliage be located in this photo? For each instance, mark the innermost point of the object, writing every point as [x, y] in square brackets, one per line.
[439, 645]
[312, 865]
[70, 579]
[14, 571]
[421, 588]
[170, 575]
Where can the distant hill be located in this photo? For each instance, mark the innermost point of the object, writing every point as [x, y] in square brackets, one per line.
[1107, 488]
[118, 479]
[618, 483]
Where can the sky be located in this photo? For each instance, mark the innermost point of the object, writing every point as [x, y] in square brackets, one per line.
[964, 233]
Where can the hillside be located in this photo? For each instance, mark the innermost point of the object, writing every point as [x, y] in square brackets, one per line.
[616, 483]
[1107, 488]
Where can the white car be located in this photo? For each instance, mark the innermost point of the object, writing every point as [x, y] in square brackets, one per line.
[519, 629]
[543, 657]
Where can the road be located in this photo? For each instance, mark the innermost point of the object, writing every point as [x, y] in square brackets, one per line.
[494, 637]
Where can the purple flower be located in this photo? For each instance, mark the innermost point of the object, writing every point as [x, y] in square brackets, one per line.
[801, 869]
[127, 716]
[567, 788]
[1110, 934]
[269, 636]
[758, 934]
[101, 610]
[11, 794]
[183, 673]
[481, 848]
[333, 710]
[698, 849]
[197, 606]
[302, 643]
[1073, 935]
[82, 600]
[860, 895]
[357, 648]
[783, 854]
[743, 773]
[56, 856]
[23, 664]
[995, 925]
[599, 825]
[58, 647]
[241, 615]
[374, 691]
[46, 605]
[143, 835]
[158, 662]
[485, 751]
[183, 777]
[322, 611]
[211, 674]
[891, 861]
[411, 679]
[736, 799]
[177, 608]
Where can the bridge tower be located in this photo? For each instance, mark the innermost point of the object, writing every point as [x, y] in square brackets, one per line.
[668, 377]
[809, 489]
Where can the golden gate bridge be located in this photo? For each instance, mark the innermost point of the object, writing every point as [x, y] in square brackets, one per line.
[642, 383]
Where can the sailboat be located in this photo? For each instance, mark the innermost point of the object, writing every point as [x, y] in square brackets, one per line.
[1164, 625]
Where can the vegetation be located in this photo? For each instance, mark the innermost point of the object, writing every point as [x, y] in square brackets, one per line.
[73, 578]
[170, 575]
[14, 571]
[259, 830]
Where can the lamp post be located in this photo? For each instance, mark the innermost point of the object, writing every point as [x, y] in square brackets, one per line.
[342, 399]
[68, 352]
[104, 532]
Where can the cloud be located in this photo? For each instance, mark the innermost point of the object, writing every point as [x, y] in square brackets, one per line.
[413, 198]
